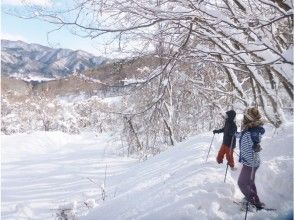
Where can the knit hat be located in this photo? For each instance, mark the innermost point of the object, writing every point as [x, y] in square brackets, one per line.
[252, 118]
[252, 114]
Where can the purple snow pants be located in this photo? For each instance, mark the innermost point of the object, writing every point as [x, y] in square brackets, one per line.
[247, 185]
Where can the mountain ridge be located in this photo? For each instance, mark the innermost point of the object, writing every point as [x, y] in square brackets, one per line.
[34, 61]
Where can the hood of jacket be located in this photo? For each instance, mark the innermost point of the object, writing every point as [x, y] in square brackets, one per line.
[231, 114]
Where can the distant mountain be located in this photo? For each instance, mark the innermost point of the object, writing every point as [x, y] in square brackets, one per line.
[37, 62]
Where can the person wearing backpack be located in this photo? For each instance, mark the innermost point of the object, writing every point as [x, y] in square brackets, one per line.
[229, 140]
[250, 137]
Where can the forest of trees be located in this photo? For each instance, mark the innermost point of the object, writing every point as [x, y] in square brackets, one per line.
[214, 55]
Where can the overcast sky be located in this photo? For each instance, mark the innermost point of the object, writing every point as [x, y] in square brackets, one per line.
[35, 31]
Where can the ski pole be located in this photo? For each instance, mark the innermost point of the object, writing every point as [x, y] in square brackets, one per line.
[236, 153]
[226, 172]
[247, 208]
[209, 148]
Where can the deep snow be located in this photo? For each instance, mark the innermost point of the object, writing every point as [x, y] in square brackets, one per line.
[45, 172]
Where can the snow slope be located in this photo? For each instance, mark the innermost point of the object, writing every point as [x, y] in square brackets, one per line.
[43, 172]
[177, 184]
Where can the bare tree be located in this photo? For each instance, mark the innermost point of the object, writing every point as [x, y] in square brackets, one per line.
[213, 55]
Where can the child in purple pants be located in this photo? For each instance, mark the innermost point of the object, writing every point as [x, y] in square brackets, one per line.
[250, 137]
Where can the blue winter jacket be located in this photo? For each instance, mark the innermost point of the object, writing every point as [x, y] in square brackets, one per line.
[249, 138]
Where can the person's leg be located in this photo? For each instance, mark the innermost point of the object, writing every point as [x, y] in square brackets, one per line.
[229, 157]
[247, 185]
[254, 196]
[221, 153]
[244, 181]
[252, 180]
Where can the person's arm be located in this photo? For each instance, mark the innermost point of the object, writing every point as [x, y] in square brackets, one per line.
[256, 138]
[237, 134]
[256, 135]
[218, 131]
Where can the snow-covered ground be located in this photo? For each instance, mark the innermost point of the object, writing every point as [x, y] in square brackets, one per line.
[44, 170]
[44, 173]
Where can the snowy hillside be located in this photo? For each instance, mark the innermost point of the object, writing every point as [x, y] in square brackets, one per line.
[45, 173]
[28, 61]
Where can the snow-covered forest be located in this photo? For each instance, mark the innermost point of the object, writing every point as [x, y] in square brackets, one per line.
[213, 56]
[182, 65]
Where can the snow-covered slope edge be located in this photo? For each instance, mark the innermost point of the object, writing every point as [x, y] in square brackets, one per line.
[177, 184]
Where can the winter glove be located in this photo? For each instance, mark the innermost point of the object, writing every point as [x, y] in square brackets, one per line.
[257, 147]
[237, 134]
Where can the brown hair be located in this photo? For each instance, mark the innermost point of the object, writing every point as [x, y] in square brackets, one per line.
[252, 118]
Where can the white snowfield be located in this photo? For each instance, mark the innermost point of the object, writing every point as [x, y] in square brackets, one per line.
[45, 173]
